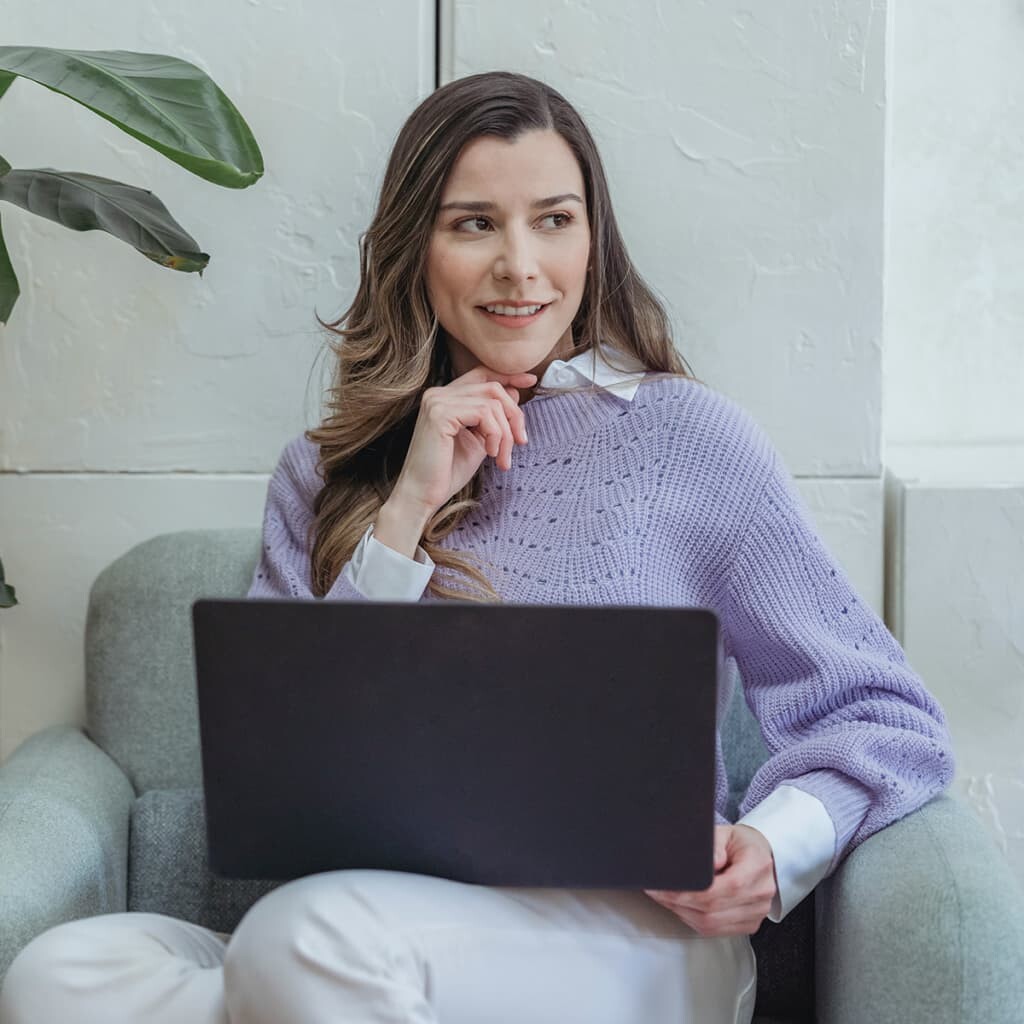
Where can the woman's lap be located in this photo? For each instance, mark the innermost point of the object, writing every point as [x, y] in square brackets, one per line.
[410, 948]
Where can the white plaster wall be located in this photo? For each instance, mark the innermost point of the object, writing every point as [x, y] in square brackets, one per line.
[744, 147]
[136, 400]
[744, 150]
[112, 363]
[954, 328]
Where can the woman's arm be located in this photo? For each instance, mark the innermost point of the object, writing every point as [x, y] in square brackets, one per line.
[375, 571]
[845, 717]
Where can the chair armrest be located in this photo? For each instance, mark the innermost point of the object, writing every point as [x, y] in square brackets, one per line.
[64, 813]
[924, 921]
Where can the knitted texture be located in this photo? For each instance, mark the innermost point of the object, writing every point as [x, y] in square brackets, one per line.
[679, 498]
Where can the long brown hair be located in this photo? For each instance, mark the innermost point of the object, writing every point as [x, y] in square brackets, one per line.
[389, 347]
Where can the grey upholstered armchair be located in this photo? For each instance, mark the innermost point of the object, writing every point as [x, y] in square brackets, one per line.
[923, 922]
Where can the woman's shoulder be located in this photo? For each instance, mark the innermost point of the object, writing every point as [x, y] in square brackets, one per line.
[296, 468]
[705, 422]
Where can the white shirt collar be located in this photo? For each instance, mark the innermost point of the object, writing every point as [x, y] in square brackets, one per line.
[563, 373]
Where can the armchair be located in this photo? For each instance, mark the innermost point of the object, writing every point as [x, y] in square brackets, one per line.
[922, 922]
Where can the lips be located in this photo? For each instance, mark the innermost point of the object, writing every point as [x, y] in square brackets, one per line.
[505, 320]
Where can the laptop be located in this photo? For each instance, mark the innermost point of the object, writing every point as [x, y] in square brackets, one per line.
[512, 744]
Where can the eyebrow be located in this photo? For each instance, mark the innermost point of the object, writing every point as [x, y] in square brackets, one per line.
[484, 207]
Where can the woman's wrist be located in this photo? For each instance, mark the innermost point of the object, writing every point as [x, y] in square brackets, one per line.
[400, 526]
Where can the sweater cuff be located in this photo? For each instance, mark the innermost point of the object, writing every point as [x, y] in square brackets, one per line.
[846, 800]
[803, 840]
[382, 574]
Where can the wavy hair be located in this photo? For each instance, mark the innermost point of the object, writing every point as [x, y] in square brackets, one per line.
[389, 346]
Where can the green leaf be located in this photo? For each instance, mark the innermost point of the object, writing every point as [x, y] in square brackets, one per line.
[7, 598]
[165, 102]
[6, 81]
[4, 166]
[85, 202]
[9, 292]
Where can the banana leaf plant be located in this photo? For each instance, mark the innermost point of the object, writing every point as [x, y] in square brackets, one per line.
[7, 598]
[164, 102]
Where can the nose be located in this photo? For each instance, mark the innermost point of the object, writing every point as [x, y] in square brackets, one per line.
[517, 258]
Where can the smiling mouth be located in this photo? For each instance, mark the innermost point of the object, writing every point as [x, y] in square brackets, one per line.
[506, 319]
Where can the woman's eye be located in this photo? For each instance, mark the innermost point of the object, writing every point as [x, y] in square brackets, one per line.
[566, 217]
[472, 220]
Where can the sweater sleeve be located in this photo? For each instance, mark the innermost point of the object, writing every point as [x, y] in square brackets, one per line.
[844, 716]
[284, 569]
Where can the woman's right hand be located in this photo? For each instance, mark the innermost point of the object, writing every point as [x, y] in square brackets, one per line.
[472, 416]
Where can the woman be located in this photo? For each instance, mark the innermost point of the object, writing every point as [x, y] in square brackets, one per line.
[510, 421]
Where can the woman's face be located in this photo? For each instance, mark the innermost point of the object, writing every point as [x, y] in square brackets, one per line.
[515, 230]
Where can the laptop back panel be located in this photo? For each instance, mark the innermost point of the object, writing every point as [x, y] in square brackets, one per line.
[496, 744]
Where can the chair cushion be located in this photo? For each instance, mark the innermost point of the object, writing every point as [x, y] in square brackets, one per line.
[168, 870]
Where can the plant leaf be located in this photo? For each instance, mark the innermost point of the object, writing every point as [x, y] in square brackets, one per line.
[165, 102]
[6, 81]
[85, 202]
[4, 166]
[7, 598]
[9, 292]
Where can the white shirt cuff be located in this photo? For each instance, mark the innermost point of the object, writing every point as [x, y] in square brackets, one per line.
[382, 574]
[803, 842]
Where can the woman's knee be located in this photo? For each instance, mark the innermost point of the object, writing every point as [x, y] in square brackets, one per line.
[94, 968]
[315, 943]
[307, 920]
[30, 980]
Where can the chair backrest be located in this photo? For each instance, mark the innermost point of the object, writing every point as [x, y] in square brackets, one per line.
[139, 675]
[140, 680]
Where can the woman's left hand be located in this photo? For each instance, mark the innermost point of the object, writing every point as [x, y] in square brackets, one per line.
[740, 897]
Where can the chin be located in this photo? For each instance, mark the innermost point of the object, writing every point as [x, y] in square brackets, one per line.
[510, 363]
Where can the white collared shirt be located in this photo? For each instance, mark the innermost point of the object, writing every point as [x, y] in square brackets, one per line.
[795, 823]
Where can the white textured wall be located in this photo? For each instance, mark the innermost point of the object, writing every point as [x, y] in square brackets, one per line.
[954, 340]
[744, 145]
[112, 363]
[134, 399]
[745, 152]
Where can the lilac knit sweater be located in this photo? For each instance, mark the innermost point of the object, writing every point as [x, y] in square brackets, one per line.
[679, 498]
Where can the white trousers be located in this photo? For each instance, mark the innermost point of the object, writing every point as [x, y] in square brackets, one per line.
[386, 946]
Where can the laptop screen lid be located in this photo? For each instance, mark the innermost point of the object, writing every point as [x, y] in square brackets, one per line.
[498, 744]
